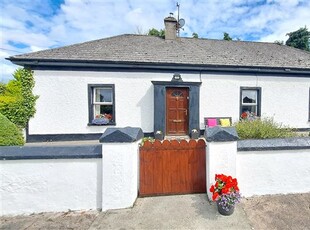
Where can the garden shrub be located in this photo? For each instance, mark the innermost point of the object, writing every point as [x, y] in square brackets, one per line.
[10, 134]
[145, 139]
[262, 129]
[2, 88]
[17, 101]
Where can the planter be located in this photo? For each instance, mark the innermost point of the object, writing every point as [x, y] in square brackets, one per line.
[223, 211]
[100, 121]
[159, 136]
[195, 134]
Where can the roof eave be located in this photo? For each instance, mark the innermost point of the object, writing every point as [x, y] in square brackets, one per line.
[157, 66]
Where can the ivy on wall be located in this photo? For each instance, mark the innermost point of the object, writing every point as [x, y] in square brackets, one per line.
[17, 102]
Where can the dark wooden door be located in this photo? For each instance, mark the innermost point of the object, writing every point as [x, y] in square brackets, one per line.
[177, 111]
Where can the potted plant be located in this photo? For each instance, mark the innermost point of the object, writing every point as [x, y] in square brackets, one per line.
[226, 193]
[102, 119]
[194, 134]
[159, 135]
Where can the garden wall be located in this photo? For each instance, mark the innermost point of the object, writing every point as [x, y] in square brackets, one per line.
[47, 179]
[61, 178]
[274, 166]
[51, 178]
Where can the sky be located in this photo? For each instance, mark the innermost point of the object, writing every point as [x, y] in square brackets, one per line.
[33, 25]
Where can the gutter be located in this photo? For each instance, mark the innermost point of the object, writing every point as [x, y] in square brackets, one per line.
[32, 63]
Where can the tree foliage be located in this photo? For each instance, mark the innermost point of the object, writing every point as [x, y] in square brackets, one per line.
[17, 101]
[299, 39]
[227, 37]
[279, 42]
[195, 35]
[9, 133]
[159, 33]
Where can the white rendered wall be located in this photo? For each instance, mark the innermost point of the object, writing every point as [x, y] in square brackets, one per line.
[120, 175]
[273, 172]
[284, 98]
[62, 107]
[221, 159]
[32, 186]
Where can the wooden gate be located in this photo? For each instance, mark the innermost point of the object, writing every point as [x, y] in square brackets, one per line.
[172, 167]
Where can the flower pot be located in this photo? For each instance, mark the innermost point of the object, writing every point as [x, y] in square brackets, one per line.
[194, 134]
[223, 211]
[159, 136]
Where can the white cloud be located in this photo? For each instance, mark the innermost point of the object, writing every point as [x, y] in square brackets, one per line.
[40, 25]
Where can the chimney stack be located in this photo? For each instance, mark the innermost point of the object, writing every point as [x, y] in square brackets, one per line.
[170, 28]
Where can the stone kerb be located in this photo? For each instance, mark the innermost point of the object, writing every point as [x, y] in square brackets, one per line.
[221, 153]
[120, 167]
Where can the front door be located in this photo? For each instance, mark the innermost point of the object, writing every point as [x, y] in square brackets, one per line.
[177, 111]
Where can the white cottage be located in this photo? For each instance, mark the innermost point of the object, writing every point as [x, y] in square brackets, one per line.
[166, 85]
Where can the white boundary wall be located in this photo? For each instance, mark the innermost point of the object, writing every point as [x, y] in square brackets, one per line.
[120, 175]
[51, 185]
[221, 159]
[273, 172]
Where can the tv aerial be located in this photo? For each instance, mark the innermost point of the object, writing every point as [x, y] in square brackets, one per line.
[181, 21]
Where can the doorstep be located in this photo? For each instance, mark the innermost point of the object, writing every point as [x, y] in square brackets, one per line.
[178, 138]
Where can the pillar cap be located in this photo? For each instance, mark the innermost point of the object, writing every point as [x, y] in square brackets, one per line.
[221, 134]
[121, 135]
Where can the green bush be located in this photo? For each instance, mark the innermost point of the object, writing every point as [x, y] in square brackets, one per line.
[9, 133]
[17, 101]
[2, 87]
[262, 129]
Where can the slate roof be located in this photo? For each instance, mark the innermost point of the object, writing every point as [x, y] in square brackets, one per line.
[182, 51]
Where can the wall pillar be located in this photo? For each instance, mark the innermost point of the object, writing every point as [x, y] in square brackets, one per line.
[221, 153]
[120, 167]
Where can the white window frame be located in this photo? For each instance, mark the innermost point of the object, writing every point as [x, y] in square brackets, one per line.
[100, 103]
[92, 101]
[257, 104]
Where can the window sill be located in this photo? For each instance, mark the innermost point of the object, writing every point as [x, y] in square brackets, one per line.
[110, 124]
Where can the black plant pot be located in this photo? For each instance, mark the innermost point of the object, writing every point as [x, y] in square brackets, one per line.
[224, 212]
[159, 136]
[194, 135]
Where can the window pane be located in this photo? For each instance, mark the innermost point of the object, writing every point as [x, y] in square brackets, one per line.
[103, 95]
[251, 109]
[104, 111]
[249, 96]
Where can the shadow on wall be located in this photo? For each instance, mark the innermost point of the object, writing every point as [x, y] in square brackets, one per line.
[146, 105]
[99, 186]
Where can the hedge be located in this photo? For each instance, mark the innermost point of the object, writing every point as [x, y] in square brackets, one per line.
[9, 133]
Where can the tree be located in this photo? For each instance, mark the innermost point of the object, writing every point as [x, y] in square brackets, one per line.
[227, 37]
[159, 33]
[195, 35]
[17, 101]
[9, 133]
[299, 39]
[279, 42]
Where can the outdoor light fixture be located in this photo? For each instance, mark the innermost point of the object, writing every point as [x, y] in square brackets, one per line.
[176, 77]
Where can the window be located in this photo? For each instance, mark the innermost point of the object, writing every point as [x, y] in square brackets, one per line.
[101, 104]
[250, 100]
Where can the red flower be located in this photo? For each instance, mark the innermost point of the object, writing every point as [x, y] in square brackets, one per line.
[223, 185]
[215, 196]
[244, 115]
